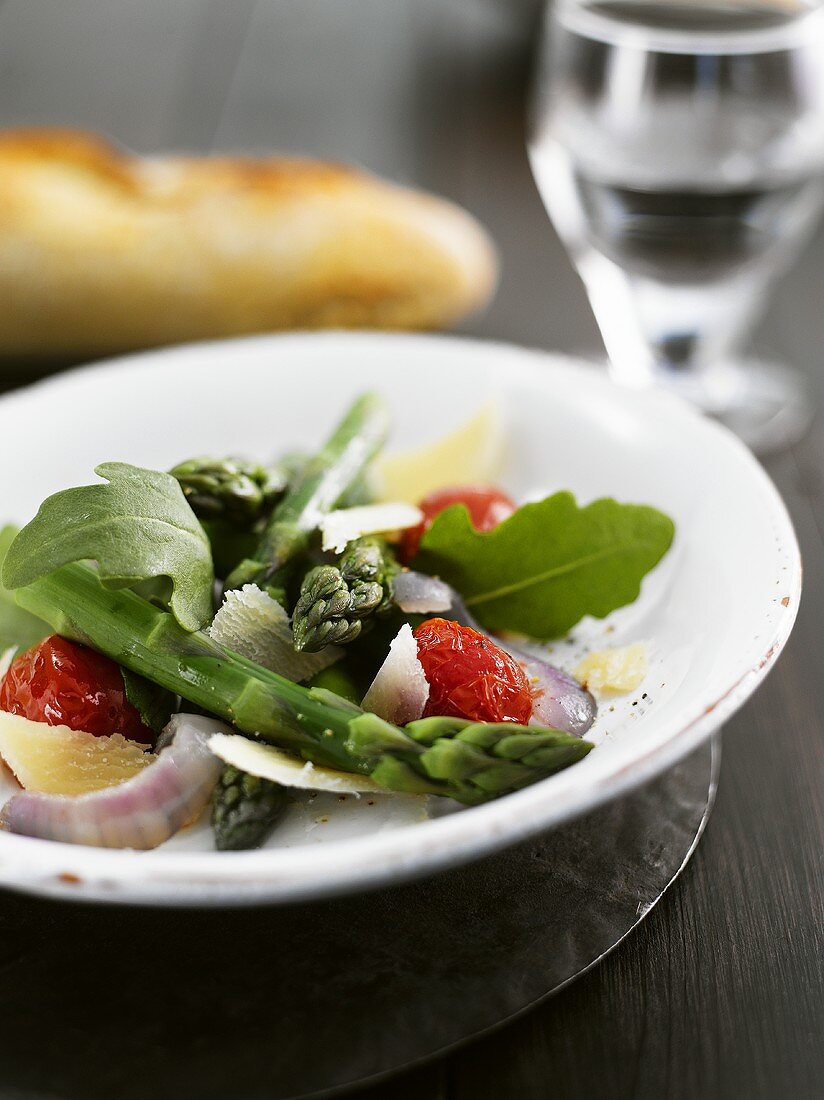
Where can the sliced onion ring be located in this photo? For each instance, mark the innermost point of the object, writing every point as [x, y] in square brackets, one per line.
[140, 813]
[418, 594]
[560, 701]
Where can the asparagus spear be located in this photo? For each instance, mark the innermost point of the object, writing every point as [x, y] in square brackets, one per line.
[242, 492]
[467, 761]
[245, 809]
[317, 488]
[335, 600]
[229, 488]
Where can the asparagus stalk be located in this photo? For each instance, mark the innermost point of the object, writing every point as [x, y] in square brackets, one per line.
[471, 762]
[245, 809]
[320, 484]
[336, 600]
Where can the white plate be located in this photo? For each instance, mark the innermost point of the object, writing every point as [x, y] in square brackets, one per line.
[716, 613]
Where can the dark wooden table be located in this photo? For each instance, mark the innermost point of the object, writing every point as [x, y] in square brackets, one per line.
[720, 993]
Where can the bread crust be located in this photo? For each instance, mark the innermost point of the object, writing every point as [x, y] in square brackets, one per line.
[102, 252]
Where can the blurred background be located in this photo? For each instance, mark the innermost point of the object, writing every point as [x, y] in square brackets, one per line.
[426, 92]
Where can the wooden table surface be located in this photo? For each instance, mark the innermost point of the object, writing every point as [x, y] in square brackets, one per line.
[720, 992]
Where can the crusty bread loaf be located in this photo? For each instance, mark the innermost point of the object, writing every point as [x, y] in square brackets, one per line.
[102, 252]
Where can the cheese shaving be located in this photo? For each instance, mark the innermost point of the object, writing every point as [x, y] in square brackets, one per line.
[614, 670]
[267, 762]
[254, 625]
[400, 690]
[347, 524]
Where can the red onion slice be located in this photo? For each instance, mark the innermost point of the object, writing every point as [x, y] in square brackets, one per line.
[418, 594]
[560, 701]
[140, 813]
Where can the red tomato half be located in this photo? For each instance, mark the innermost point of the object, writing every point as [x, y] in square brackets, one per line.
[486, 505]
[469, 676]
[63, 683]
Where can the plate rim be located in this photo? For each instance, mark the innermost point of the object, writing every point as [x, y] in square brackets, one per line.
[51, 868]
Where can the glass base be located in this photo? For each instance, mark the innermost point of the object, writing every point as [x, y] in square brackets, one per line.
[767, 405]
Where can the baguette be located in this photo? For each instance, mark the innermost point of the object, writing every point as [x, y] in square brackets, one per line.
[102, 252]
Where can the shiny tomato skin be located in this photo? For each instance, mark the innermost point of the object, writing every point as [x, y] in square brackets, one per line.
[63, 683]
[469, 676]
[487, 507]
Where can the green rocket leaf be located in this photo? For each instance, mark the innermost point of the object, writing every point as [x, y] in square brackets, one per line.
[550, 564]
[153, 703]
[18, 628]
[136, 526]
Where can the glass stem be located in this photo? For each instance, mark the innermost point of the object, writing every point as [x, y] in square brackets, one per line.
[655, 332]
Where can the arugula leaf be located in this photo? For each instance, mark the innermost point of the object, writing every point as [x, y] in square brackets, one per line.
[18, 628]
[136, 526]
[550, 564]
[154, 704]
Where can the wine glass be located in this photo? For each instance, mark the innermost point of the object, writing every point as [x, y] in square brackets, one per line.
[679, 149]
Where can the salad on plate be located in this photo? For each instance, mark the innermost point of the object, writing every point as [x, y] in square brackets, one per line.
[214, 638]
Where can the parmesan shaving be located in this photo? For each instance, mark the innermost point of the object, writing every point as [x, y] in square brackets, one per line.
[254, 625]
[267, 762]
[614, 670]
[347, 524]
[400, 690]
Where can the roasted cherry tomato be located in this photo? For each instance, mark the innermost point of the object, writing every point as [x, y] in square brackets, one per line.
[486, 505]
[63, 683]
[469, 676]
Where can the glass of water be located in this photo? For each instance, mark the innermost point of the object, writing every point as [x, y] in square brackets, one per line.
[679, 149]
